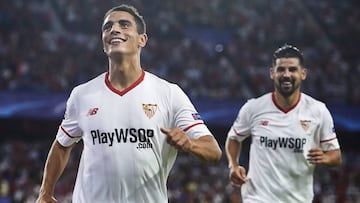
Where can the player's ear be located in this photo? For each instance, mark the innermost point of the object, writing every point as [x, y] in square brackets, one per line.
[303, 73]
[142, 40]
[272, 73]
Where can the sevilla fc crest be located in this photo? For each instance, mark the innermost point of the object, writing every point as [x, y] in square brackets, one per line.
[305, 124]
[149, 109]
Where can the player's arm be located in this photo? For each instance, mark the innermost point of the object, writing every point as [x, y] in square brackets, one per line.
[233, 150]
[206, 148]
[328, 153]
[203, 145]
[237, 174]
[328, 158]
[56, 161]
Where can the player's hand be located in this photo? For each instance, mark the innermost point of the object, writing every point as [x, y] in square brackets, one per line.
[237, 176]
[177, 138]
[317, 156]
[46, 199]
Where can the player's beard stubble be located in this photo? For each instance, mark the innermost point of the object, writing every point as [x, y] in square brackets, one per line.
[286, 90]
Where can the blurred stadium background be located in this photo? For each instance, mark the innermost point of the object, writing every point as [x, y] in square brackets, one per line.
[219, 52]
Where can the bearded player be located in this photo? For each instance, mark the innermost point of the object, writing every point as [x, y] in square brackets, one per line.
[131, 122]
[290, 132]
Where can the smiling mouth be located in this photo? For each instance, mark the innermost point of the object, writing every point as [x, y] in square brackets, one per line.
[286, 83]
[116, 41]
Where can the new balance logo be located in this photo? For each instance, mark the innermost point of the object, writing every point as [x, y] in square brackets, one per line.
[92, 111]
[264, 123]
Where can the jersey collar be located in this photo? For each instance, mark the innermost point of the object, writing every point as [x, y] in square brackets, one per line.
[281, 109]
[123, 92]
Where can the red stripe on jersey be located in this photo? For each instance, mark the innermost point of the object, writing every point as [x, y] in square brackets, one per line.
[238, 134]
[186, 129]
[321, 141]
[66, 132]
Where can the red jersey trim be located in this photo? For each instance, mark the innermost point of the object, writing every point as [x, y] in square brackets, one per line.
[186, 129]
[122, 93]
[238, 134]
[322, 141]
[281, 109]
[66, 133]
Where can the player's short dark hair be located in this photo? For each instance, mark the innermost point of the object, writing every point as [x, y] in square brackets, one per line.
[288, 51]
[139, 20]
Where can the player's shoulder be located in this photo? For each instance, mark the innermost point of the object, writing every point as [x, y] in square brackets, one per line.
[315, 106]
[311, 101]
[260, 100]
[253, 105]
[91, 84]
[160, 83]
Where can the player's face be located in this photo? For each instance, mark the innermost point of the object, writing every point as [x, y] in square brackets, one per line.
[287, 75]
[120, 36]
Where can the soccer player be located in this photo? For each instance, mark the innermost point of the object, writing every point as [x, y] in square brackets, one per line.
[131, 122]
[290, 132]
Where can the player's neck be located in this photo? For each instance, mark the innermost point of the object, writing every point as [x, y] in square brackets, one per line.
[124, 74]
[286, 102]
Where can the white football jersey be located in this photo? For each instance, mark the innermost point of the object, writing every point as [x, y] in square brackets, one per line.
[278, 169]
[126, 157]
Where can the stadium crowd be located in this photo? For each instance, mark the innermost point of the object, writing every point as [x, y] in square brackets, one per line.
[212, 49]
[220, 49]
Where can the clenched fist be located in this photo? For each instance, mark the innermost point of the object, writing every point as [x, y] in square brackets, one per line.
[177, 138]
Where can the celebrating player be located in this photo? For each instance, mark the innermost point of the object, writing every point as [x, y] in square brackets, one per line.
[131, 122]
[290, 132]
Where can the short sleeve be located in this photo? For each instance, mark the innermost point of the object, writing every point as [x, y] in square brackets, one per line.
[186, 116]
[69, 131]
[241, 128]
[328, 138]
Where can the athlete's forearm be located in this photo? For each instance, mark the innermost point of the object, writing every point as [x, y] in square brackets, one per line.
[233, 150]
[206, 148]
[57, 159]
[333, 157]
